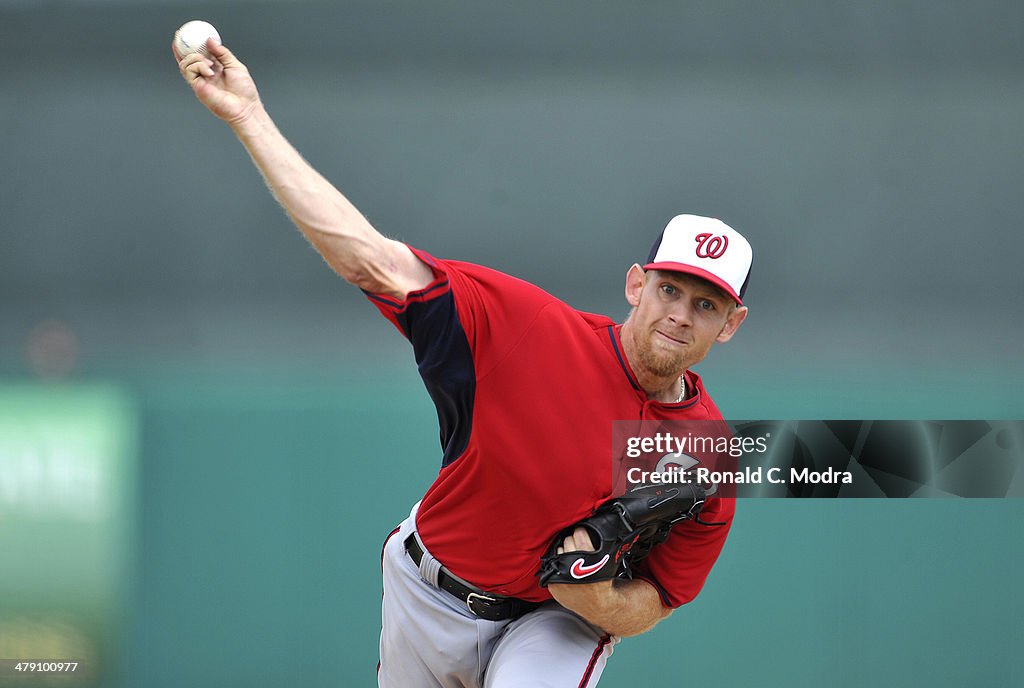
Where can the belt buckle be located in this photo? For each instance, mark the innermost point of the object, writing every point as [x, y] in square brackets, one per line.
[475, 596]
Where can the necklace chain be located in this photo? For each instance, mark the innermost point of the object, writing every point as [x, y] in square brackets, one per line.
[682, 388]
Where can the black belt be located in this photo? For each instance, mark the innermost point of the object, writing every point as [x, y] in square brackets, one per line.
[483, 604]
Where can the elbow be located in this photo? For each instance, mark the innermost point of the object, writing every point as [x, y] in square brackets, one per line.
[369, 280]
[359, 264]
[627, 628]
[359, 277]
[374, 277]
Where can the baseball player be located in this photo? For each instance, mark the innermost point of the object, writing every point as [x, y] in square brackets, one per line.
[526, 389]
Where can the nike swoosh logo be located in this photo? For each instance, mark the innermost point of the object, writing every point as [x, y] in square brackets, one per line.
[578, 570]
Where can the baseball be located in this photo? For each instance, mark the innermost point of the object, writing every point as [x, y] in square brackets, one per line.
[191, 37]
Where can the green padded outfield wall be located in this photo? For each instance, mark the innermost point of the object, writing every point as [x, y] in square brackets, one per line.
[266, 504]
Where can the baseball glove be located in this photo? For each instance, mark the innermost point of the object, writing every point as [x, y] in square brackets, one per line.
[623, 531]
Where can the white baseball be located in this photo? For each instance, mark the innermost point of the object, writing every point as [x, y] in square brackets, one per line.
[191, 37]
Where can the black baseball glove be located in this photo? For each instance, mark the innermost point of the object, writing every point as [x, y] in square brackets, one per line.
[623, 530]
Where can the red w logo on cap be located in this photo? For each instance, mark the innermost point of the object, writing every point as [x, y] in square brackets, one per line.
[709, 246]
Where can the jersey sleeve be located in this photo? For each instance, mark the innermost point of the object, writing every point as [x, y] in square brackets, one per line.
[679, 566]
[460, 326]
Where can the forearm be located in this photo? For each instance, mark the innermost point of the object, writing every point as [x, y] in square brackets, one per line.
[331, 223]
[622, 608]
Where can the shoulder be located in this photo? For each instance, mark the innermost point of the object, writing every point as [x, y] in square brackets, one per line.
[490, 283]
[595, 321]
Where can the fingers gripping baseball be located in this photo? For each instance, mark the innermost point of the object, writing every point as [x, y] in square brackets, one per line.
[221, 82]
[196, 65]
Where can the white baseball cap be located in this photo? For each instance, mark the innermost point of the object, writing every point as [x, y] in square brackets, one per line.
[706, 248]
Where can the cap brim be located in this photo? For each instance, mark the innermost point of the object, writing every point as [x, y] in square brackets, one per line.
[697, 272]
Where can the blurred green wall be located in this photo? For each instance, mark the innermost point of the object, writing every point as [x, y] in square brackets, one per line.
[264, 505]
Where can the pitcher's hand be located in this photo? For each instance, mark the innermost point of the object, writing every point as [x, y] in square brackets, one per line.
[221, 82]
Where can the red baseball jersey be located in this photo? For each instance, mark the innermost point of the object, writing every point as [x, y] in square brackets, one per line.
[526, 390]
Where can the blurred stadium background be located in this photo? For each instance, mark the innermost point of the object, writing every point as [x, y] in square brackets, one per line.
[205, 435]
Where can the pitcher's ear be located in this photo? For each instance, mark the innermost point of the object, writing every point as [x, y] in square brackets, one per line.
[635, 279]
[732, 323]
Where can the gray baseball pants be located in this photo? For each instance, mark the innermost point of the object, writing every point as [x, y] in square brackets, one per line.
[429, 639]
